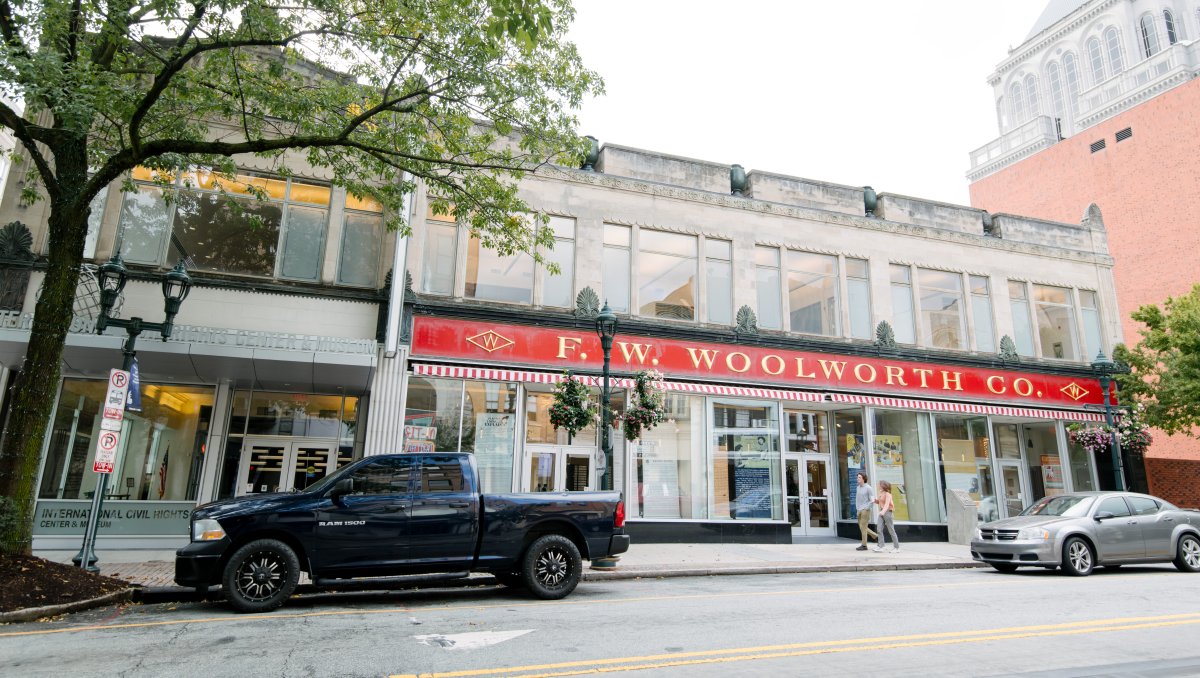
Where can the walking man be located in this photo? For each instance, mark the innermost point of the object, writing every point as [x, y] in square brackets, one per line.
[863, 500]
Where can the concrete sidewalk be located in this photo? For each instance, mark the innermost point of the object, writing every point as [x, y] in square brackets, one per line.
[154, 570]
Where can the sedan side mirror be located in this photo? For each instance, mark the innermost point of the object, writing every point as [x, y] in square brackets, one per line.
[340, 489]
[1103, 515]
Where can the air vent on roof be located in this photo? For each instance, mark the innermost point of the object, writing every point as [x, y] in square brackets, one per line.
[1124, 134]
[1097, 146]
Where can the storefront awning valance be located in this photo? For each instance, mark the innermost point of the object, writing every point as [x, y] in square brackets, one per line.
[965, 408]
[497, 374]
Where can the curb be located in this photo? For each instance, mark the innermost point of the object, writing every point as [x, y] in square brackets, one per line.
[176, 594]
[778, 569]
[32, 613]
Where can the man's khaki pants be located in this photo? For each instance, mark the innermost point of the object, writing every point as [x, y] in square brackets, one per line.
[864, 525]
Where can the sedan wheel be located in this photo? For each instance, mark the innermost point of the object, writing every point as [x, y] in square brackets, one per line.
[1078, 558]
[1187, 555]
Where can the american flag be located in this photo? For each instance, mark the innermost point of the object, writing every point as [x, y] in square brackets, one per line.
[162, 473]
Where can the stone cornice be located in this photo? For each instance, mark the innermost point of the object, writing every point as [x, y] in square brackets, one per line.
[871, 224]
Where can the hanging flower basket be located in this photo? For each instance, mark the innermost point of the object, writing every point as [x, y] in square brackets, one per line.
[647, 406]
[1132, 431]
[1094, 439]
[572, 409]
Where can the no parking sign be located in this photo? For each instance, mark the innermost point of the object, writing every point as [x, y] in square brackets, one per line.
[110, 423]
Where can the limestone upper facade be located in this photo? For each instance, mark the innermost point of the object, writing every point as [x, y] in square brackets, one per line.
[690, 243]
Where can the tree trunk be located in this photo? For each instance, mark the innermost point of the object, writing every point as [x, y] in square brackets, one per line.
[33, 400]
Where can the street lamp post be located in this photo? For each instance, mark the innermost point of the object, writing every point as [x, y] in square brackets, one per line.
[113, 275]
[1105, 367]
[606, 329]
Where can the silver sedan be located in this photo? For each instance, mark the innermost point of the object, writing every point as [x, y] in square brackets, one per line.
[1084, 530]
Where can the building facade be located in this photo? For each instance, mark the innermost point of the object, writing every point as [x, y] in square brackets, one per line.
[265, 381]
[760, 298]
[1099, 103]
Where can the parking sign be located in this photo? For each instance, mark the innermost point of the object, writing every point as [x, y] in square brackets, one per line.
[110, 423]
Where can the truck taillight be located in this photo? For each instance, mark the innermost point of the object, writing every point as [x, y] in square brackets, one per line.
[620, 518]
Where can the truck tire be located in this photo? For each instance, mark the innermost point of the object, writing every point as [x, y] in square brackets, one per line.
[551, 567]
[261, 575]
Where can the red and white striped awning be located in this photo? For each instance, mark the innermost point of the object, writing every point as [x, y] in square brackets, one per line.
[497, 374]
[965, 408]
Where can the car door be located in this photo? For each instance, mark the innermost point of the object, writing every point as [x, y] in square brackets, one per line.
[1156, 525]
[367, 529]
[1118, 537]
[444, 522]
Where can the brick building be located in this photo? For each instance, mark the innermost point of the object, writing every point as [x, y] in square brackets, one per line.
[1098, 106]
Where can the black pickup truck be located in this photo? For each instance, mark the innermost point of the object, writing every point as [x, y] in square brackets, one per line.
[397, 515]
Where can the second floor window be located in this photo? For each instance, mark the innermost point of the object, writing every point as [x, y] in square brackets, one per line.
[1089, 307]
[904, 322]
[812, 284]
[362, 229]
[1018, 297]
[981, 310]
[858, 289]
[941, 308]
[1055, 322]
[251, 225]
[491, 276]
[441, 250]
[617, 262]
[768, 286]
[559, 290]
[666, 275]
[718, 277]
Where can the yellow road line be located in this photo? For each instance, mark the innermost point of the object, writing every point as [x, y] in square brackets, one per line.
[637, 663]
[507, 605]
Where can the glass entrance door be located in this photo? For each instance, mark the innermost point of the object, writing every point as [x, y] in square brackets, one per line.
[285, 464]
[1014, 491]
[555, 468]
[807, 494]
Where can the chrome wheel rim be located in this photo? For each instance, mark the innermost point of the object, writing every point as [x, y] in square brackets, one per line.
[1080, 556]
[261, 575]
[1191, 553]
[552, 567]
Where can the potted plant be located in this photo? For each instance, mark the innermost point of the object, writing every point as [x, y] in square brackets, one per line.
[1094, 439]
[572, 409]
[647, 406]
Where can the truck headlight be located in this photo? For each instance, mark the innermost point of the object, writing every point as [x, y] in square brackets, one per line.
[1033, 534]
[207, 530]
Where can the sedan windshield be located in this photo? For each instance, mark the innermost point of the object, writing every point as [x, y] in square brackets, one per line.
[1062, 505]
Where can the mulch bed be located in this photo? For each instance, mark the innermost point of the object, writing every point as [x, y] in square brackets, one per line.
[26, 581]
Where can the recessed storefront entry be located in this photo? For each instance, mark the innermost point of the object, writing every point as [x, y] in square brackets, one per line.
[558, 468]
[285, 464]
[807, 486]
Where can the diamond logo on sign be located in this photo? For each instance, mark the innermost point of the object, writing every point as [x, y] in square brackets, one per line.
[1074, 391]
[490, 341]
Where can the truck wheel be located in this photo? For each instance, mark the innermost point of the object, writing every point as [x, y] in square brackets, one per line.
[551, 567]
[261, 575]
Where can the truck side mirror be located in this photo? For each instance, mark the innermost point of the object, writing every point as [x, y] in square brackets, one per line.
[1103, 515]
[340, 489]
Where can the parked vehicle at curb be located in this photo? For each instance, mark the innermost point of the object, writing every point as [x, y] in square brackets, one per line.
[397, 515]
[1085, 530]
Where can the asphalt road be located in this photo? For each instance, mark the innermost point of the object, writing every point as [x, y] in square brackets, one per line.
[1135, 621]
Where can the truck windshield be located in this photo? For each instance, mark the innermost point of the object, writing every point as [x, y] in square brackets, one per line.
[1061, 505]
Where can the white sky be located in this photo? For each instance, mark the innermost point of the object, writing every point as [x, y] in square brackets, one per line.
[857, 92]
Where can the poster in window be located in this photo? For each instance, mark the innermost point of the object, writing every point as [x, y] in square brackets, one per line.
[660, 482]
[958, 460]
[1052, 476]
[494, 449]
[889, 466]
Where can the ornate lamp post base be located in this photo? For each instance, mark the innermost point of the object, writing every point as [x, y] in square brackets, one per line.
[606, 563]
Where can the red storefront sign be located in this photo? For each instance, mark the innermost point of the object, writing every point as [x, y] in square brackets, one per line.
[561, 349]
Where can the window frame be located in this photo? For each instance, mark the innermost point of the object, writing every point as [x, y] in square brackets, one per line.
[541, 275]
[919, 311]
[635, 290]
[1148, 30]
[704, 286]
[347, 210]
[1095, 52]
[838, 329]
[1114, 50]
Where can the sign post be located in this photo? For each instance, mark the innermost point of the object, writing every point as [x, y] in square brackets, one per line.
[112, 414]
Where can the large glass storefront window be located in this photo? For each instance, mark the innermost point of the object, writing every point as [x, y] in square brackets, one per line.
[161, 451]
[904, 456]
[745, 461]
[1045, 465]
[849, 437]
[965, 451]
[671, 478]
[450, 415]
[1083, 478]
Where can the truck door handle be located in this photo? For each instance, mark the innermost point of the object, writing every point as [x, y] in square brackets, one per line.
[396, 508]
[459, 504]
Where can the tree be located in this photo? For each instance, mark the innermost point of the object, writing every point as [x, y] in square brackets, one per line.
[1165, 364]
[464, 95]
